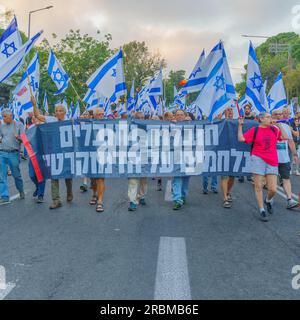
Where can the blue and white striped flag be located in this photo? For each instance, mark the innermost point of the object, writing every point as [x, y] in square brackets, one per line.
[130, 99]
[10, 41]
[109, 78]
[15, 61]
[22, 92]
[197, 78]
[218, 91]
[57, 73]
[277, 96]
[45, 103]
[76, 111]
[255, 90]
[155, 87]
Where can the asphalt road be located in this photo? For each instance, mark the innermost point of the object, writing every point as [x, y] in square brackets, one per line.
[200, 252]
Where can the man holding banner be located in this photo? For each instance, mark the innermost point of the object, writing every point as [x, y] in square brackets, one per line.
[60, 115]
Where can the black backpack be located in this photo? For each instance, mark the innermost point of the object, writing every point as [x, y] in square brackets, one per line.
[255, 134]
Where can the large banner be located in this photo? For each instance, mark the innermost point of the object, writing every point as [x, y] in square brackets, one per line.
[134, 148]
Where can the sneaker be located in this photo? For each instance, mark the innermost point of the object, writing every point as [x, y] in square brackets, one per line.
[4, 201]
[40, 199]
[241, 179]
[35, 193]
[83, 188]
[297, 173]
[205, 191]
[269, 206]
[177, 206]
[292, 204]
[55, 205]
[132, 206]
[229, 198]
[215, 191]
[142, 202]
[22, 195]
[263, 216]
[250, 179]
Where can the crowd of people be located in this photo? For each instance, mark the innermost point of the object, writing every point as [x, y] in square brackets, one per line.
[275, 156]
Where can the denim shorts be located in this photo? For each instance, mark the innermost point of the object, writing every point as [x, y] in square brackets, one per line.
[260, 167]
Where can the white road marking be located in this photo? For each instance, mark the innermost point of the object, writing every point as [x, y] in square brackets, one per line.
[15, 197]
[172, 277]
[168, 192]
[281, 192]
[7, 290]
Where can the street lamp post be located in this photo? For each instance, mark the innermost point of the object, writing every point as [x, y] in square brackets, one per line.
[29, 17]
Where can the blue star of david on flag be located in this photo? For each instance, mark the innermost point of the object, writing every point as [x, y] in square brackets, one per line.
[270, 100]
[196, 72]
[9, 49]
[58, 76]
[57, 73]
[114, 73]
[257, 82]
[220, 83]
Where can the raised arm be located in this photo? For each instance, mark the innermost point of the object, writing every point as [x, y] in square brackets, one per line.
[36, 111]
[240, 130]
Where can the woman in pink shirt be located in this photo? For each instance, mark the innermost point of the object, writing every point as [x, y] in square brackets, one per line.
[264, 158]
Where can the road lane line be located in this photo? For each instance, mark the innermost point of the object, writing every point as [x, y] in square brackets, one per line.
[172, 277]
[16, 196]
[168, 192]
[295, 197]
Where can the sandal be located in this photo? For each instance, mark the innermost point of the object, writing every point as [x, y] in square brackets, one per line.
[99, 207]
[93, 201]
[226, 204]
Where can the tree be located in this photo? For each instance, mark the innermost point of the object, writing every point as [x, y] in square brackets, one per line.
[173, 80]
[140, 64]
[80, 55]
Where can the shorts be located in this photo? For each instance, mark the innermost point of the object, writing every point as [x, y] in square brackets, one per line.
[285, 170]
[260, 167]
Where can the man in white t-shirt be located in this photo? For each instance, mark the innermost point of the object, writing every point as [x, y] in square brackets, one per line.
[284, 159]
[60, 115]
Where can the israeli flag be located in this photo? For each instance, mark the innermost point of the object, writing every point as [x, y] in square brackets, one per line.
[255, 90]
[45, 103]
[12, 64]
[130, 99]
[109, 78]
[218, 91]
[10, 41]
[155, 86]
[122, 108]
[76, 111]
[57, 73]
[197, 78]
[277, 96]
[31, 77]
[180, 100]
[292, 110]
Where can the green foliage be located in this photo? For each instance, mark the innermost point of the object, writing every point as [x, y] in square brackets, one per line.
[80, 55]
[173, 79]
[272, 63]
[140, 64]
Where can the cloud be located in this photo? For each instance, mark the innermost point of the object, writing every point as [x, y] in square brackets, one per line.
[178, 29]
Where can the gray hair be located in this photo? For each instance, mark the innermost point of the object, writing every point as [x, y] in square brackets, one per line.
[263, 115]
[6, 112]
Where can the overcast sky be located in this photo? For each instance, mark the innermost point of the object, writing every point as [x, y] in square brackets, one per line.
[179, 30]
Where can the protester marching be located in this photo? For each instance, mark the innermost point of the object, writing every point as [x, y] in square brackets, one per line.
[217, 136]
